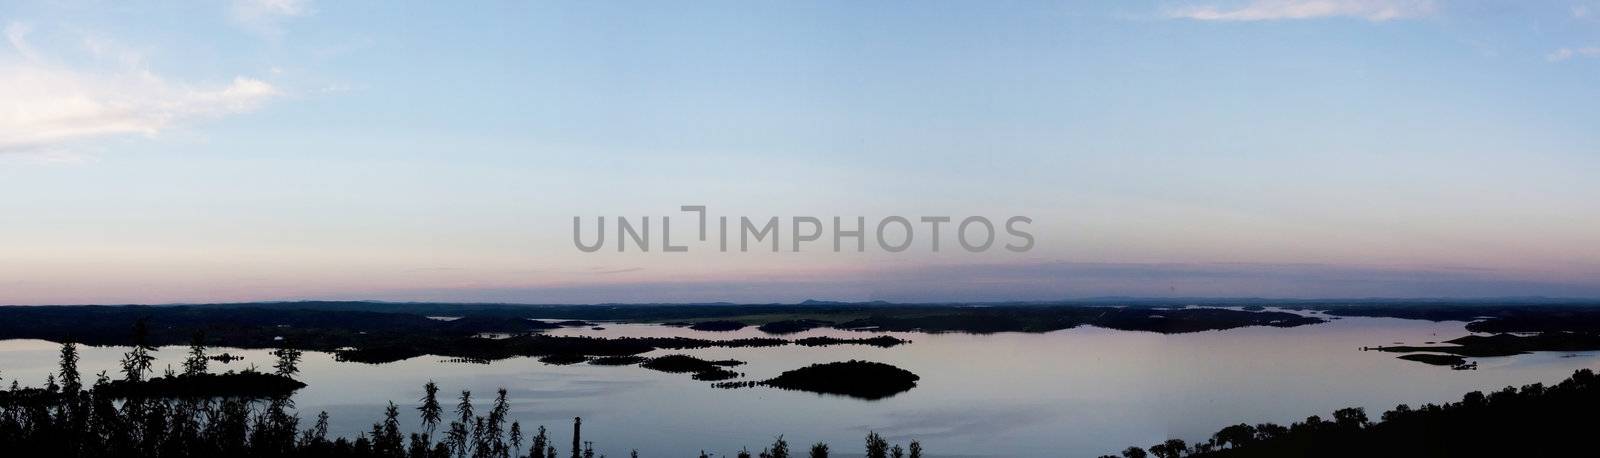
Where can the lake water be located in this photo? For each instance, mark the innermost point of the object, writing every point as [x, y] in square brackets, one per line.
[1078, 392]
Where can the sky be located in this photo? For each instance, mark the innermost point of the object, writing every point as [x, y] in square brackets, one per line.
[165, 152]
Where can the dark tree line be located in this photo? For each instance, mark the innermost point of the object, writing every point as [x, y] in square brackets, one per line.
[1534, 420]
[67, 419]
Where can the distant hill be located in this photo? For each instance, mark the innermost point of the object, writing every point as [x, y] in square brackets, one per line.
[819, 302]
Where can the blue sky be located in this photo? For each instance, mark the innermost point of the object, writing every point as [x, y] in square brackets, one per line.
[288, 149]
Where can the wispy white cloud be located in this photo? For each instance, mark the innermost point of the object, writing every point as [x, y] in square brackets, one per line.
[1272, 10]
[265, 17]
[1568, 53]
[46, 107]
[17, 37]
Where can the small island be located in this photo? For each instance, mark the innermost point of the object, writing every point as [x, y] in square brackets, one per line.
[702, 369]
[1435, 359]
[624, 360]
[879, 341]
[856, 379]
[563, 359]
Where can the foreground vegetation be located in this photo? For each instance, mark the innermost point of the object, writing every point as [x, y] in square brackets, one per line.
[1532, 421]
[66, 418]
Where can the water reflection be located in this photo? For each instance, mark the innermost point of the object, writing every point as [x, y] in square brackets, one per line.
[1087, 390]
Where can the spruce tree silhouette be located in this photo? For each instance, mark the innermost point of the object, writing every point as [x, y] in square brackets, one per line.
[876, 446]
[196, 363]
[70, 383]
[137, 361]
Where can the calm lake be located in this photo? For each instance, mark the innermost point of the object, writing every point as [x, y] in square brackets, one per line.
[1078, 392]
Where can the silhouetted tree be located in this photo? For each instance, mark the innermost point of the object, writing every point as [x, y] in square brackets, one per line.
[516, 440]
[196, 363]
[137, 361]
[288, 362]
[1234, 436]
[540, 442]
[317, 436]
[1270, 431]
[70, 382]
[819, 450]
[780, 448]
[386, 438]
[494, 427]
[460, 433]
[916, 449]
[1350, 418]
[417, 447]
[1134, 452]
[876, 446]
[1172, 448]
[1400, 411]
[430, 410]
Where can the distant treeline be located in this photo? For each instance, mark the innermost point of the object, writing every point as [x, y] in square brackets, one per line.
[1532, 421]
[326, 326]
[1496, 315]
